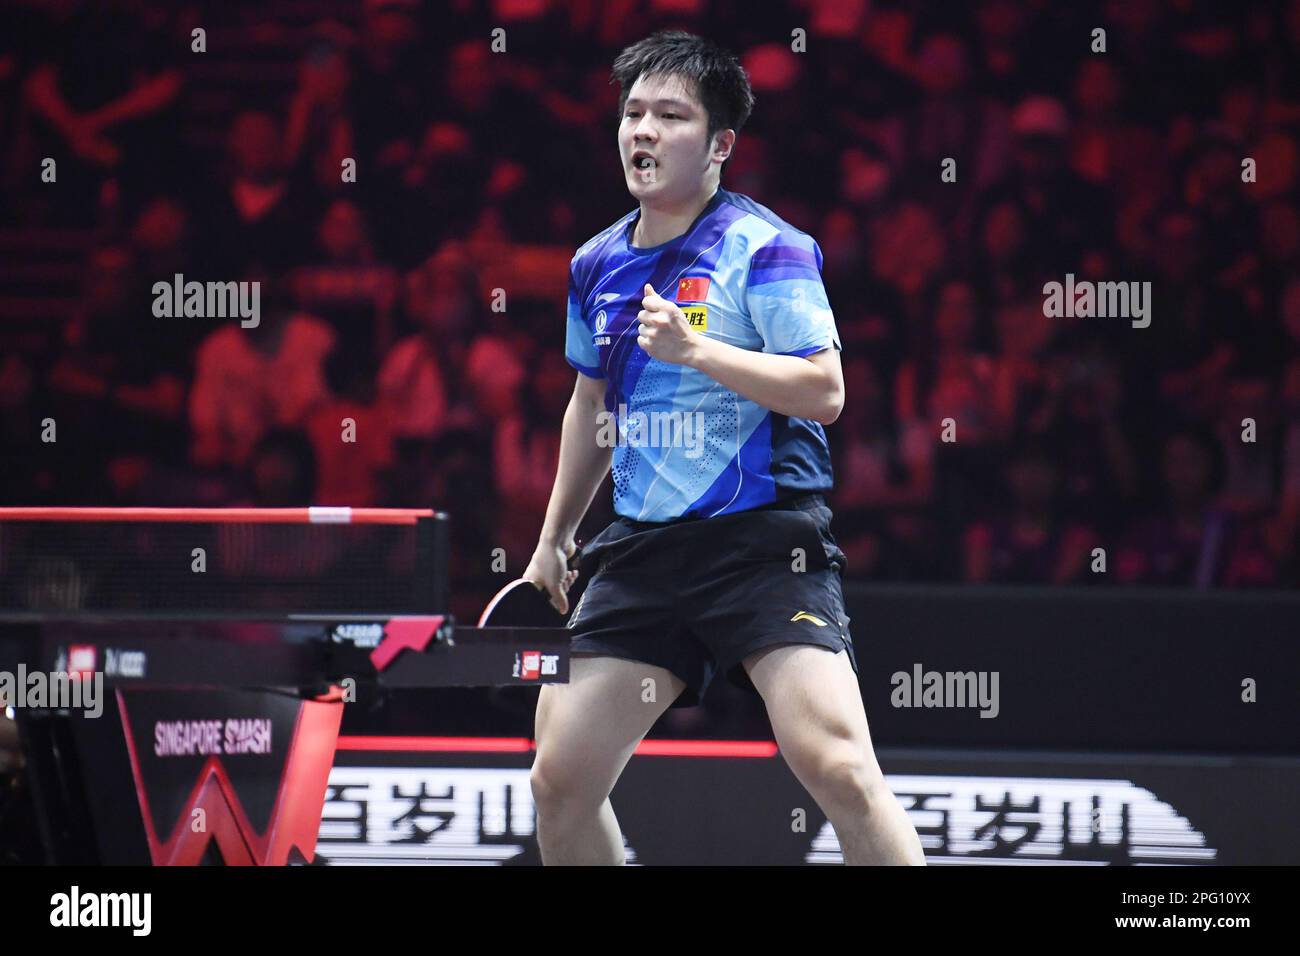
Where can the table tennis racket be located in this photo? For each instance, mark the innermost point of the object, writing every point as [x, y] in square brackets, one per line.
[521, 603]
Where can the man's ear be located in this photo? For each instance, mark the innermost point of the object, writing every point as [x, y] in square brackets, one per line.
[724, 144]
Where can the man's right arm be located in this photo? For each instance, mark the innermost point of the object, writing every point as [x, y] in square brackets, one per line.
[582, 467]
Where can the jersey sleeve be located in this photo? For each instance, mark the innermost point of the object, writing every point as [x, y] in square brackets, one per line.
[579, 350]
[786, 299]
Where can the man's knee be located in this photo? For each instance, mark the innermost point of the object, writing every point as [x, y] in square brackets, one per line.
[558, 784]
[848, 778]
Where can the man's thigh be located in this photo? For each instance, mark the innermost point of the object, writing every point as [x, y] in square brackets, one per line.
[813, 701]
[588, 728]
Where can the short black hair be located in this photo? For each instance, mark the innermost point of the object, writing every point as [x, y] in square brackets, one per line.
[720, 82]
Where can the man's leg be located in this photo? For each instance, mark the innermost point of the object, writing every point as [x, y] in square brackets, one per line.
[587, 731]
[817, 716]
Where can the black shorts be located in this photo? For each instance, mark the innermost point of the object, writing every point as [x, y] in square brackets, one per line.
[698, 596]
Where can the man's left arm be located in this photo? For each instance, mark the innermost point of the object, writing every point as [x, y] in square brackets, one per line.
[809, 386]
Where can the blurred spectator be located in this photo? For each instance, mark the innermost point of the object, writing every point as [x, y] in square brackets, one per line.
[1003, 47]
[248, 380]
[495, 373]
[412, 201]
[952, 121]
[1099, 464]
[1213, 190]
[259, 215]
[347, 287]
[1279, 246]
[885, 466]
[1193, 542]
[390, 66]
[416, 377]
[454, 473]
[162, 240]
[1030, 541]
[950, 378]
[526, 451]
[1023, 383]
[1068, 216]
[908, 248]
[1106, 148]
[22, 470]
[888, 456]
[350, 435]
[319, 132]
[282, 470]
[112, 395]
[1189, 347]
[1249, 466]
[1005, 261]
[108, 92]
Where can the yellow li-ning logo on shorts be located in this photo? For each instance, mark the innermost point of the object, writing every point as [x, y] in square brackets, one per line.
[805, 616]
[697, 317]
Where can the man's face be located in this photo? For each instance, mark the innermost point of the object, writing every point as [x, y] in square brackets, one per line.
[663, 122]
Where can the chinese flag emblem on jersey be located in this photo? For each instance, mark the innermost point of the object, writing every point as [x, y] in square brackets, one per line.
[692, 290]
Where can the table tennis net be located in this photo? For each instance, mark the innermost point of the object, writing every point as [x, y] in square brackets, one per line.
[212, 563]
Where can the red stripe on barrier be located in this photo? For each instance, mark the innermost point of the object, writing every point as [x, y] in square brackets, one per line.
[647, 748]
[707, 748]
[321, 515]
[436, 744]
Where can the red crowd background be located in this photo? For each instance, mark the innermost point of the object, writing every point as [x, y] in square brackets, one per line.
[480, 171]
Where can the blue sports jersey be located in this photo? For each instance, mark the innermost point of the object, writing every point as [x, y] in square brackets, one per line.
[685, 445]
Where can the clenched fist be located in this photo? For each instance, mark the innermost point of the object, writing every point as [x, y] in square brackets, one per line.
[664, 331]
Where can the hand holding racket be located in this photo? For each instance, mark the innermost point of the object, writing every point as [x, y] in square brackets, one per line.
[540, 597]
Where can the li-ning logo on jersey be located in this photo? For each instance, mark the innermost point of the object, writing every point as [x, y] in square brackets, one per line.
[805, 616]
[602, 321]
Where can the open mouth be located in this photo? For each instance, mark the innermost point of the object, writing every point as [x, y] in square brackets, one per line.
[643, 162]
